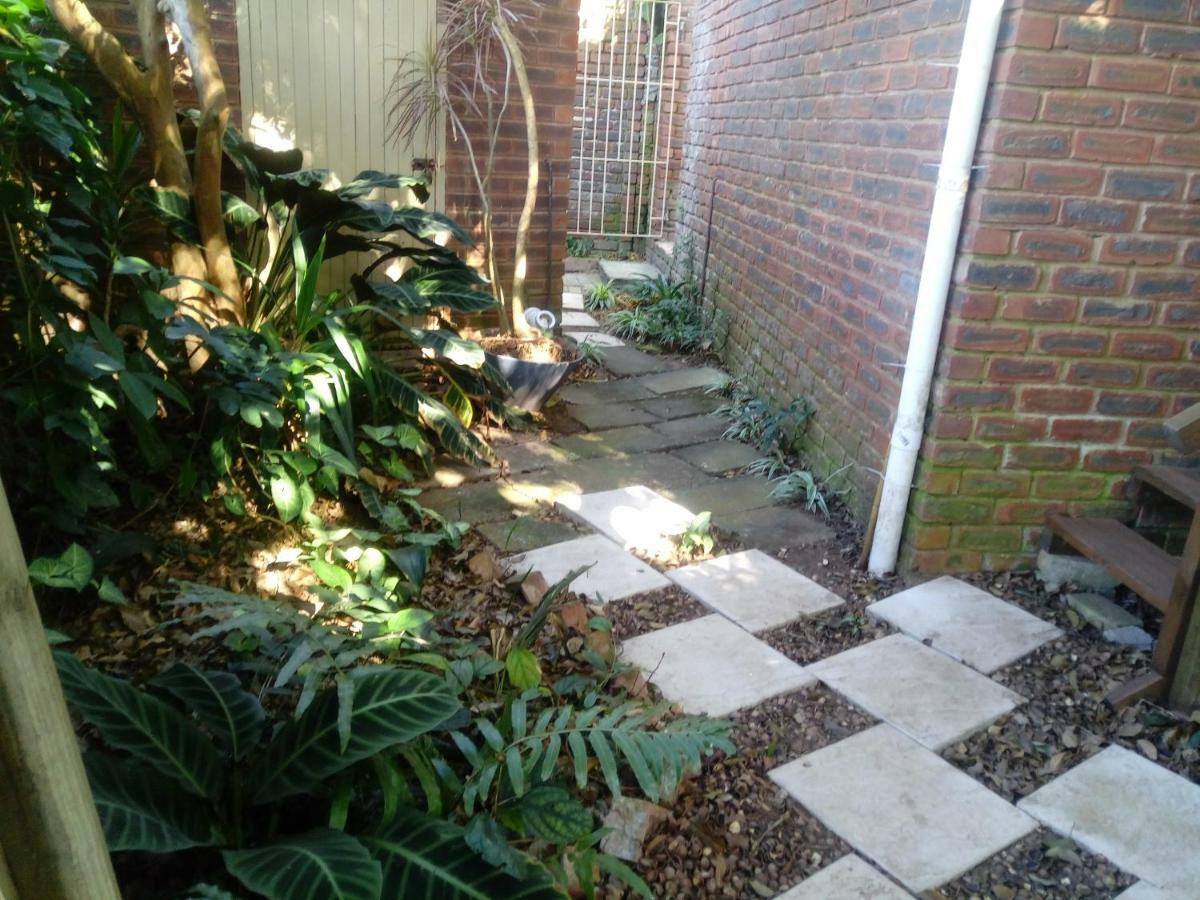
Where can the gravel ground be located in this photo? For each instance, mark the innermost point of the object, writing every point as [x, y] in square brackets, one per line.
[732, 832]
[1042, 865]
[807, 640]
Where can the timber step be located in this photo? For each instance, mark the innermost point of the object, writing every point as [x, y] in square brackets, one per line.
[1140, 565]
[1178, 483]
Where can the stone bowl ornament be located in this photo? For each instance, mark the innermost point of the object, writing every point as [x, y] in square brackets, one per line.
[534, 368]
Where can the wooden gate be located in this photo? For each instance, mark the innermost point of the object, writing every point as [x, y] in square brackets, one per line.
[315, 75]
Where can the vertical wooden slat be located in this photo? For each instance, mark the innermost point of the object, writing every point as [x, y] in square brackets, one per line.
[49, 829]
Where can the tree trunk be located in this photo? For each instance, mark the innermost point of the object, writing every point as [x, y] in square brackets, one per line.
[50, 832]
[521, 251]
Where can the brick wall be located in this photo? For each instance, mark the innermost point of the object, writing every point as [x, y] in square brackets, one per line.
[119, 16]
[819, 126]
[548, 35]
[1073, 327]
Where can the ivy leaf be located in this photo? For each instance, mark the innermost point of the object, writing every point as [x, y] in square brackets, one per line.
[334, 576]
[72, 569]
[286, 495]
[523, 668]
[110, 593]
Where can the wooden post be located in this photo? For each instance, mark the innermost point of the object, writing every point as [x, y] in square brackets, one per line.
[1185, 685]
[50, 832]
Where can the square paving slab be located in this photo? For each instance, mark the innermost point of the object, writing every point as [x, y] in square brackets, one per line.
[635, 517]
[683, 380]
[965, 622]
[628, 270]
[595, 416]
[776, 528]
[573, 318]
[526, 533]
[596, 338]
[530, 456]
[615, 442]
[903, 806]
[711, 666]
[605, 391]
[679, 406]
[847, 879]
[754, 590]
[927, 695]
[1144, 890]
[572, 300]
[724, 496]
[692, 430]
[614, 573]
[631, 361]
[719, 456]
[1121, 805]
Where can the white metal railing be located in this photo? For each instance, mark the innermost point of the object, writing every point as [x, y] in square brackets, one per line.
[625, 116]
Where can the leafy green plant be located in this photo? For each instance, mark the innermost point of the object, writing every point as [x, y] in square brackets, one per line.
[674, 322]
[656, 290]
[578, 245]
[697, 537]
[591, 353]
[190, 768]
[801, 484]
[599, 296]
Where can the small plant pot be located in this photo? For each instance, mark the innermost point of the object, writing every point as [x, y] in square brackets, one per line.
[533, 382]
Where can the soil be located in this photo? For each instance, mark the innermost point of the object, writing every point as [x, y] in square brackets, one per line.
[545, 350]
[651, 611]
[810, 639]
[1040, 865]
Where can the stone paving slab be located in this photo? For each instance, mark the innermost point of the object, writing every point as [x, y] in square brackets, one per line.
[754, 590]
[526, 533]
[847, 879]
[1141, 816]
[580, 321]
[615, 442]
[964, 622]
[725, 496]
[484, 501]
[597, 416]
[711, 666]
[776, 528]
[530, 456]
[683, 380]
[692, 430]
[903, 806]
[930, 697]
[678, 406]
[596, 338]
[628, 270]
[657, 471]
[716, 457]
[631, 361]
[636, 517]
[572, 300]
[614, 574]
[626, 390]
[581, 280]
[1144, 890]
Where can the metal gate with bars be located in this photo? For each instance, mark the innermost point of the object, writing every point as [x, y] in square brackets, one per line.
[625, 117]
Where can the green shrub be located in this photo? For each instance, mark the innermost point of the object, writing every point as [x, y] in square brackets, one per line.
[599, 297]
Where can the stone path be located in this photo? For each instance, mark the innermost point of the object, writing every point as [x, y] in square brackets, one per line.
[648, 457]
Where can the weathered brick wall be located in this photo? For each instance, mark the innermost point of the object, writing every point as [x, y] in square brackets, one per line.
[1074, 327]
[548, 34]
[120, 17]
[819, 127]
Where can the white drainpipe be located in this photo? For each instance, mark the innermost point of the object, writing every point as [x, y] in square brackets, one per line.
[941, 247]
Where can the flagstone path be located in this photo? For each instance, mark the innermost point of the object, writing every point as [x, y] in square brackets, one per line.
[650, 454]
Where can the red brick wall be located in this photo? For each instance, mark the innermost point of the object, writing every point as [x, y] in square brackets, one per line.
[819, 128]
[1074, 328]
[548, 34]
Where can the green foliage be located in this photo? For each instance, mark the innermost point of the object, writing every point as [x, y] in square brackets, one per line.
[665, 314]
[801, 484]
[697, 537]
[100, 382]
[176, 787]
[772, 429]
[578, 245]
[599, 296]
